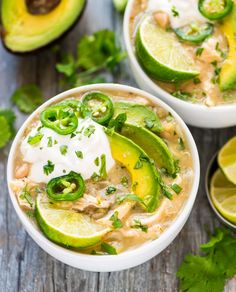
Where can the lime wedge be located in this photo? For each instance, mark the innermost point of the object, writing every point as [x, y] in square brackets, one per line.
[67, 227]
[227, 160]
[223, 194]
[161, 54]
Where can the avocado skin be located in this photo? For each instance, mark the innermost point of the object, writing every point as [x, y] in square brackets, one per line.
[128, 153]
[153, 145]
[137, 113]
[44, 47]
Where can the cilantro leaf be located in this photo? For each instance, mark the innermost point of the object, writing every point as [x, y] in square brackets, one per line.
[48, 168]
[106, 247]
[5, 132]
[118, 122]
[32, 140]
[116, 222]
[209, 272]
[67, 65]
[130, 197]
[139, 225]
[27, 98]
[95, 52]
[10, 117]
[99, 50]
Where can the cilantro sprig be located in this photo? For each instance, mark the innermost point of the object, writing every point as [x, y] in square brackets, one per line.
[7, 131]
[95, 53]
[27, 98]
[210, 271]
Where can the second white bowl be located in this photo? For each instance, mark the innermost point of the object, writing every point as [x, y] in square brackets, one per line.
[193, 114]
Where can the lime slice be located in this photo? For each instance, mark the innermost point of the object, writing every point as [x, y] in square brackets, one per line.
[227, 160]
[223, 194]
[67, 227]
[161, 54]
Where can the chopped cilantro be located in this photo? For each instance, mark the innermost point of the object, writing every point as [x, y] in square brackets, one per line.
[210, 271]
[72, 135]
[27, 98]
[118, 122]
[166, 192]
[25, 195]
[124, 181]
[174, 11]
[176, 188]
[89, 131]
[96, 161]
[196, 80]
[139, 225]
[199, 51]
[184, 95]
[30, 214]
[32, 140]
[169, 118]
[134, 185]
[95, 177]
[49, 141]
[48, 168]
[103, 171]
[139, 163]
[79, 154]
[181, 143]
[130, 197]
[116, 222]
[218, 49]
[107, 248]
[149, 123]
[63, 149]
[110, 190]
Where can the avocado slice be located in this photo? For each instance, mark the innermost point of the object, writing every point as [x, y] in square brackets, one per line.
[143, 172]
[28, 27]
[228, 70]
[153, 145]
[138, 114]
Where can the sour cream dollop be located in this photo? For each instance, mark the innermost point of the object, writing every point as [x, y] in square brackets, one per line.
[187, 11]
[60, 150]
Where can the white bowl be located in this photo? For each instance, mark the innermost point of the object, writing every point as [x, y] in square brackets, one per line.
[193, 114]
[126, 259]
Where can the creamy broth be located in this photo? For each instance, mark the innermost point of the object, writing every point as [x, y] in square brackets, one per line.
[205, 89]
[99, 206]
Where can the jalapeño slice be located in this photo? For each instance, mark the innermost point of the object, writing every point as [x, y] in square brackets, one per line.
[68, 187]
[98, 106]
[195, 32]
[61, 119]
[215, 9]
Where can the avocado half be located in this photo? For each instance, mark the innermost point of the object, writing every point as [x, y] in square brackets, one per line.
[31, 24]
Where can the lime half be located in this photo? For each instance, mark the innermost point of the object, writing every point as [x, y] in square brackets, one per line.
[161, 54]
[67, 227]
[227, 160]
[223, 194]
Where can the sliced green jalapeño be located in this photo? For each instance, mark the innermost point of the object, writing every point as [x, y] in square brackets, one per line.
[194, 33]
[98, 106]
[68, 187]
[61, 119]
[215, 9]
